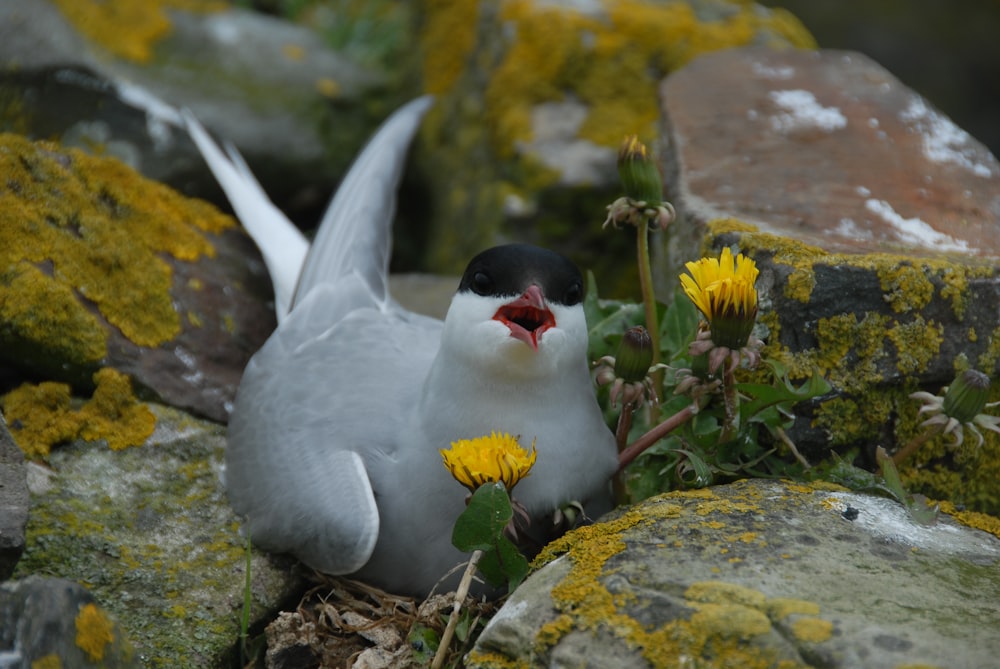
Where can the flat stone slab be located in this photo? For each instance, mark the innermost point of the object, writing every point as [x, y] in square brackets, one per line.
[757, 574]
[829, 148]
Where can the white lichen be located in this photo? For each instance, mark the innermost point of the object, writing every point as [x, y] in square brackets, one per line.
[803, 111]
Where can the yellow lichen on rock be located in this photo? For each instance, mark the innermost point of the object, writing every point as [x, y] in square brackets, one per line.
[128, 28]
[905, 287]
[50, 661]
[728, 624]
[94, 632]
[37, 308]
[980, 521]
[779, 608]
[77, 228]
[917, 343]
[603, 57]
[813, 630]
[42, 416]
[877, 357]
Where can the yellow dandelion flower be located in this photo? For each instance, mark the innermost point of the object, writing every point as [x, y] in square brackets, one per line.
[723, 290]
[488, 459]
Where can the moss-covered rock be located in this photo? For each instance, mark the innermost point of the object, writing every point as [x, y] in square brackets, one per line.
[108, 77]
[149, 532]
[755, 574]
[102, 268]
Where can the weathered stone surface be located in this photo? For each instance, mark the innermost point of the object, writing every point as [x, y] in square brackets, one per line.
[945, 51]
[104, 268]
[13, 502]
[757, 574]
[830, 149]
[110, 82]
[876, 225]
[148, 530]
[53, 622]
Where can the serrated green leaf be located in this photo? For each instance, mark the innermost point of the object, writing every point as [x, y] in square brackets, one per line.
[694, 471]
[782, 393]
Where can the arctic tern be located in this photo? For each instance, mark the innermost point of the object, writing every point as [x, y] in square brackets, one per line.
[334, 438]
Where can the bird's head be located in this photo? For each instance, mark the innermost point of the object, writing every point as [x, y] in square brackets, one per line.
[518, 311]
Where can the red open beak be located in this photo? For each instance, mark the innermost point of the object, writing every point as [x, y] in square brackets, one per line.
[527, 316]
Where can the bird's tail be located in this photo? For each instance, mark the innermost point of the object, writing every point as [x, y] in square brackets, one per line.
[284, 248]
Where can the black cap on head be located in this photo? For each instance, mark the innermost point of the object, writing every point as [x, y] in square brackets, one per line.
[507, 271]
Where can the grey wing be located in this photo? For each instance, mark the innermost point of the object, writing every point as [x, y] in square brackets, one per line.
[315, 411]
[355, 235]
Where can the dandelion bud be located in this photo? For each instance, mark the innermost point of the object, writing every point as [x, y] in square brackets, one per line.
[639, 174]
[635, 355]
[967, 395]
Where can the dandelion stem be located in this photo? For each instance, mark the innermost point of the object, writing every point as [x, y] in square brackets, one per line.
[900, 456]
[621, 436]
[463, 590]
[626, 457]
[787, 441]
[731, 402]
[649, 303]
[648, 298]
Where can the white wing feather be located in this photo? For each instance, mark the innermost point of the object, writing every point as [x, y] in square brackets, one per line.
[284, 248]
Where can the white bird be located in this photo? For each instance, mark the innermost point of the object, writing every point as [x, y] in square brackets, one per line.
[334, 439]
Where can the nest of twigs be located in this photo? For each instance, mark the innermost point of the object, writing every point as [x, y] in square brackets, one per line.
[345, 623]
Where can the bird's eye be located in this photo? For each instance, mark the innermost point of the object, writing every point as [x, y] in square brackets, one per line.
[482, 284]
[574, 295]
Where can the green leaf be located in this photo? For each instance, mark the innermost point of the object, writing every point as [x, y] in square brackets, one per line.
[782, 393]
[464, 626]
[481, 528]
[694, 471]
[920, 510]
[483, 520]
[424, 641]
[607, 320]
[678, 326]
[504, 563]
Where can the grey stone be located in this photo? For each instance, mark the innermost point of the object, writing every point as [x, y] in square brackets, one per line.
[56, 622]
[13, 502]
[150, 532]
[757, 573]
[256, 80]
